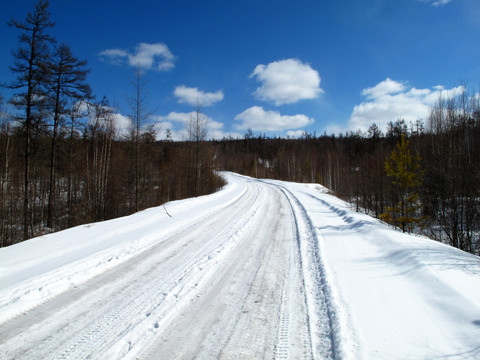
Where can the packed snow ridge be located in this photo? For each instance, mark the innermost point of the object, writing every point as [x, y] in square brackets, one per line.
[262, 269]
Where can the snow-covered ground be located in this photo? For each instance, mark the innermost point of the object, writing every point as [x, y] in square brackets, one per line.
[262, 269]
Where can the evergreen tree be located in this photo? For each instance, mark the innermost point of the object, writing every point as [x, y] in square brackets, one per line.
[407, 176]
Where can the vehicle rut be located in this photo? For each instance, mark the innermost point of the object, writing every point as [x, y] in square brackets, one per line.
[124, 306]
[321, 308]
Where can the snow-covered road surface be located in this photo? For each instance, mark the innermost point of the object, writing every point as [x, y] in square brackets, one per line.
[259, 270]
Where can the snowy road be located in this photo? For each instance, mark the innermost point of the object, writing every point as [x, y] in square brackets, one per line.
[259, 270]
[228, 283]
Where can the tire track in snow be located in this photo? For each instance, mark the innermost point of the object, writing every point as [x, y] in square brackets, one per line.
[293, 334]
[321, 308]
[173, 282]
[167, 288]
[50, 284]
[282, 350]
[293, 337]
[255, 307]
[283, 302]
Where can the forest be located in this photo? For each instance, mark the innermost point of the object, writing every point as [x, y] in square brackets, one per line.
[63, 162]
[439, 196]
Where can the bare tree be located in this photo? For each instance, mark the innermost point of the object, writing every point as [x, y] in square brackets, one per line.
[5, 186]
[197, 126]
[138, 104]
[29, 65]
[197, 134]
[67, 78]
[451, 189]
[76, 112]
[101, 133]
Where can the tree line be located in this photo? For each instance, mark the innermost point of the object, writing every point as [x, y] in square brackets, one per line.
[98, 174]
[422, 177]
[63, 161]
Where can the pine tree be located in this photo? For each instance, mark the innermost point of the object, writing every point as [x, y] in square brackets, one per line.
[407, 176]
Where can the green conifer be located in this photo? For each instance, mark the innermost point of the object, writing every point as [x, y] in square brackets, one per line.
[407, 176]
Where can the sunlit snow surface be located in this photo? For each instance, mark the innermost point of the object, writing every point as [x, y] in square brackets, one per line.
[261, 269]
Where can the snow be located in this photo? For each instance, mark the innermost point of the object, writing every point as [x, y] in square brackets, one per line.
[400, 296]
[260, 269]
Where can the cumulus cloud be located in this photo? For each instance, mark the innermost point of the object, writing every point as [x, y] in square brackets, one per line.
[193, 96]
[286, 82]
[174, 117]
[148, 56]
[258, 119]
[123, 124]
[178, 122]
[391, 100]
[175, 122]
[295, 134]
[388, 86]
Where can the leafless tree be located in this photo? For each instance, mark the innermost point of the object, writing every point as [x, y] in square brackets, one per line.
[29, 66]
[67, 77]
[197, 134]
[138, 105]
[101, 133]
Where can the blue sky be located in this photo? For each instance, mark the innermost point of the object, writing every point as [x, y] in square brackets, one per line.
[279, 67]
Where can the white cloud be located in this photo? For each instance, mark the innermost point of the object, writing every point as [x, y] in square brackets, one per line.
[391, 100]
[258, 119]
[177, 123]
[388, 86]
[286, 82]
[295, 134]
[161, 127]
[115, 56]
[123, 124]
[440, 2]
[174, 117]
[148, 56]
[437, 3]
[220, 134]
[193, 96]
